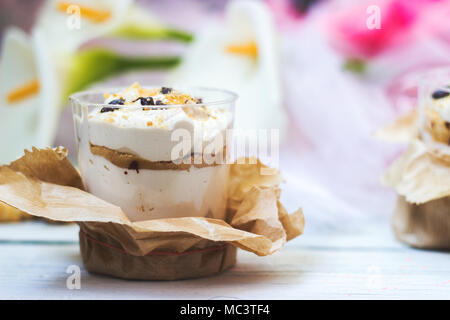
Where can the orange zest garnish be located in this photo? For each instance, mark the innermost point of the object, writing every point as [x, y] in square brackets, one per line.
[247, 49]
[23, 92]
[95, 15]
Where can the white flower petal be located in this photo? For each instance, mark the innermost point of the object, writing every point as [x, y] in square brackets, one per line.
[51, 91]
[60, 28]
[31, 120]
[258, 83]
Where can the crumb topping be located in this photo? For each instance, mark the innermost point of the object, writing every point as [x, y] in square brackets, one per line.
[136, 95]
[141, 107]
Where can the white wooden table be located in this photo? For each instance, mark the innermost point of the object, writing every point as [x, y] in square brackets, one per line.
[368, 264]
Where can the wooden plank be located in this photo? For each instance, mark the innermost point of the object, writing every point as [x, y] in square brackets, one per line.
[296, 272]
[38, 231]
[362, 234]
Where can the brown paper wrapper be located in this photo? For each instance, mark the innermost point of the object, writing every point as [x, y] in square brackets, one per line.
[421, 177]
[103, 258]
[425, 226]
[43, 183]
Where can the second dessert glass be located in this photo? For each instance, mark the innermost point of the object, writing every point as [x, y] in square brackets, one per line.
[434, 109]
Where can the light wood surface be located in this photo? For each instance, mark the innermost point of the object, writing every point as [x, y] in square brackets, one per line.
[365, 264]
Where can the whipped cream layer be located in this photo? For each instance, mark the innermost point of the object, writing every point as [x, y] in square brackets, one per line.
[137, 127]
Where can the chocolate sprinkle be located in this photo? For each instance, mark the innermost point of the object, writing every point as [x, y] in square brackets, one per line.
[166, 90]
[439, 94]
[120, 101]
[159, 102]
[146, 101]
[108, 109]
[134, 166]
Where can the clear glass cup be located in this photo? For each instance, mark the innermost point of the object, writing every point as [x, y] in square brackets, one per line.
[434, 109]
[174, 166]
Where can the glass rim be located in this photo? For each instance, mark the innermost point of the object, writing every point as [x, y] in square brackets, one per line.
[231, 97]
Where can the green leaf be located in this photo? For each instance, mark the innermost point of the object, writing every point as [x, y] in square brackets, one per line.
[355, 65]
[93, 65]
[138, 32]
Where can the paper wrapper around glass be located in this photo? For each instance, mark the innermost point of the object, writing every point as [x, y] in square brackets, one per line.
[421, 177]
[44, 183]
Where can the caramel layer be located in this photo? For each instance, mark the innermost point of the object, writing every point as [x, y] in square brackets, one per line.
[133, 162]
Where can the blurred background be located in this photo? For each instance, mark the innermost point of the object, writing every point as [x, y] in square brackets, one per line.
[326, 73]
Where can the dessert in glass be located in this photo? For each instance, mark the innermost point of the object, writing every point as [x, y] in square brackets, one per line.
[434, 109]
[156, 152]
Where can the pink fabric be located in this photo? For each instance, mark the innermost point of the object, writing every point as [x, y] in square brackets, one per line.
[402, 22]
